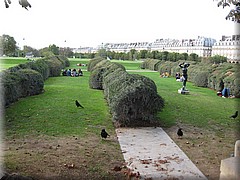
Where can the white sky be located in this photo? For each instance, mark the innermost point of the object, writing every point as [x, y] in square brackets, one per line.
[92, 22]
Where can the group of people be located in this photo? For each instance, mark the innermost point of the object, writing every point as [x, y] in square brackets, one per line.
[72, 72]
[225, 93]
[164, 75]
[179, 77]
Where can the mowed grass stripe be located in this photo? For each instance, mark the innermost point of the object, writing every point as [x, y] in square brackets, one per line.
[54, 112]
[202, 108]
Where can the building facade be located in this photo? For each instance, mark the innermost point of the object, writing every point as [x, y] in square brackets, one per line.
[202, 46]
[228, 46]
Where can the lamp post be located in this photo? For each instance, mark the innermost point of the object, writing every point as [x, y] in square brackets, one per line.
[162, 53]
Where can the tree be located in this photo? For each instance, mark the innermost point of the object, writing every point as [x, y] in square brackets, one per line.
[24, 3]
[28, 49]
[143, 54]
[8, 45]
[66, 51]
[54, 49]
[234, 14]
[218, 59]
[132, 54]
[45, 52]
[193, 57]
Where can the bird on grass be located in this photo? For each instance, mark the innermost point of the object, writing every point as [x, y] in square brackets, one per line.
[234, 115]
[78, 104]
[179, 132]
[104, 134]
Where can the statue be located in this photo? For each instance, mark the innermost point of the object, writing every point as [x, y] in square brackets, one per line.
[184, 67]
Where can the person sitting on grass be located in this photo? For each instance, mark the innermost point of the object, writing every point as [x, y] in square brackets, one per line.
[69, 72]
[64, 73]
[74, 73]
[80, 73]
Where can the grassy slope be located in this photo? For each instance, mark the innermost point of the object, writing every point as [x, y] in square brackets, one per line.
[201, 108]
[53, 113]
[7, 62]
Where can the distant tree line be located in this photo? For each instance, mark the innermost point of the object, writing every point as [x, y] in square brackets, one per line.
[133, 54]
[9, 47]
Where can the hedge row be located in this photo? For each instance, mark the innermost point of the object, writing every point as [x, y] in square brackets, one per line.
[204, 74]
[133, 99]
[28, 79]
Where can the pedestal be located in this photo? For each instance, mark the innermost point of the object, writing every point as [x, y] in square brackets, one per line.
[183, 91]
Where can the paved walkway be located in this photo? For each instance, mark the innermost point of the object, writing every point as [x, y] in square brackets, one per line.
[154, 155]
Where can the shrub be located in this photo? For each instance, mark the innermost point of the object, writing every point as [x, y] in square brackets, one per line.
[11, 87]
[93, 63]
[96, 78]
[151, 64]
[32, 82]
[40, 66]
[201, 79]
[22, 83]
[27, 79]
[100, 70]
[55, 66]
[64, 59]
[133, 99]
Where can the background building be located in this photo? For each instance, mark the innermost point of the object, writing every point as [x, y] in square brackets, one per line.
[228, 46]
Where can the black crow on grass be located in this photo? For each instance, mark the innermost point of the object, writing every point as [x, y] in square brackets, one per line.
[234, 115]
[78, 104]
[179, 132]
[104, 134]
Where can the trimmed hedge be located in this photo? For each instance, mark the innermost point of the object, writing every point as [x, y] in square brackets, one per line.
[133, 99]
[151, 64]
[28, 79]
[22, 83]
[204, 74]
[99, 69]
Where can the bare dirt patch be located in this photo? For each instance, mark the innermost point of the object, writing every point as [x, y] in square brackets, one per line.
[206, 148]
[64, 157]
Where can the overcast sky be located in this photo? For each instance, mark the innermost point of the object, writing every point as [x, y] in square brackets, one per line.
[92, 22]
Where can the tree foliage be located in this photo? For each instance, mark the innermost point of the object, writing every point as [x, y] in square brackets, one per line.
[24, 3]
[8, 44]
[234, 13]
[54, 49]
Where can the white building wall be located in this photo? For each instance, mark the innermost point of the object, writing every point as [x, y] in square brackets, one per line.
[228, 47]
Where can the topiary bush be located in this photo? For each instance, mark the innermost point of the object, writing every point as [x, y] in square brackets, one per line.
[40, 66]
[31, 81]
[151, 64]
[100, 70]
[11, 87]
[96, 78]
[22, 83]
[133, 99]
[64, 60]
[92, 63]
[55, 66]
[28, 79]
[201, 79]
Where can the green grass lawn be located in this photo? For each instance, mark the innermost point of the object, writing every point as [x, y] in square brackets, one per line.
[54, 114]
[54, 111]
[202, 107]
[7, 62]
